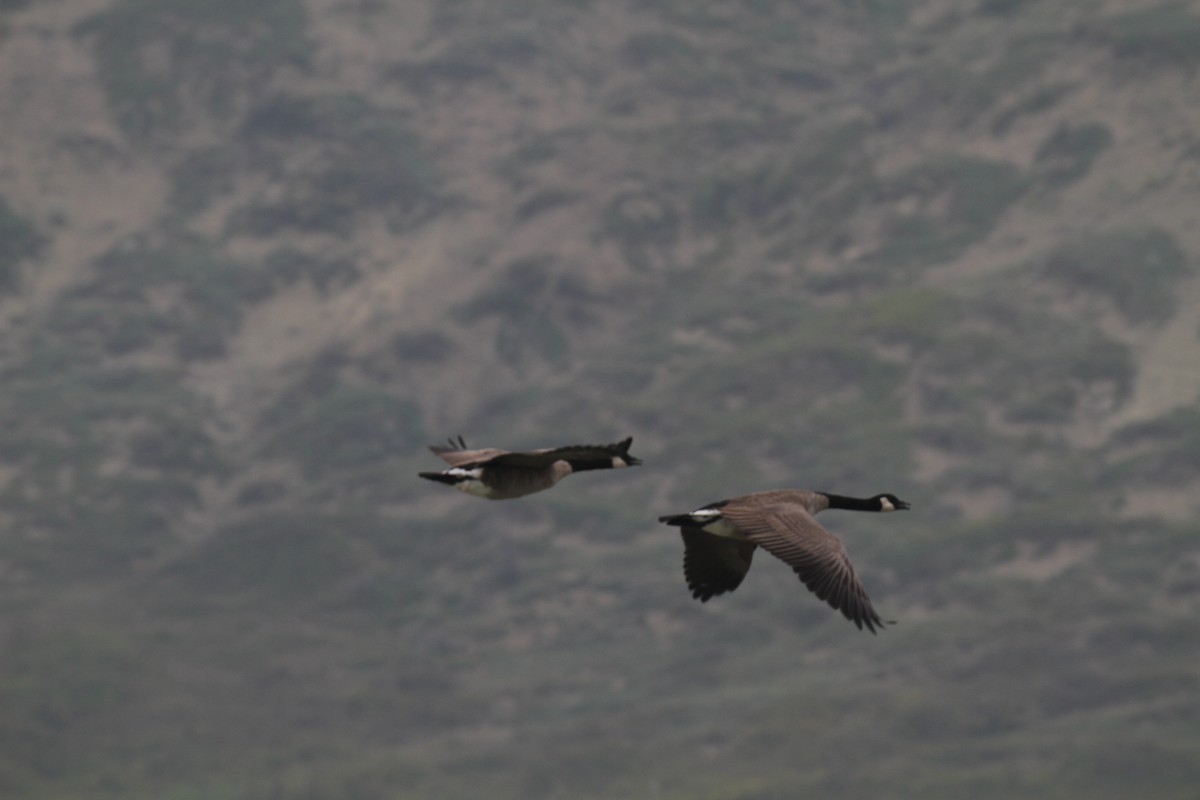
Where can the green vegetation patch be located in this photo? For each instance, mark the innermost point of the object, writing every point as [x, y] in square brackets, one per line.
[326, 273]
[19, 240]
[1166, 35]
[473, 59]
[341, 427]
[794, 374]
[65, 430]
[1161, 452]
[959, 86]
[54, 683]
[156, 57]
[769, 194]
[638, 219]
[206, 291]
[106, 453]
[361, 160]
[1001, 7]
[1135, 269]
[538, 301]
[658, 49]
[916, 316]
[955, 202]
[1040, 99]
[1030, 364]
[281, 557]
[1068, 153]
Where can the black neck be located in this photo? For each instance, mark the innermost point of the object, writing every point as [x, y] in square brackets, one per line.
[852, 503]
[583, 464]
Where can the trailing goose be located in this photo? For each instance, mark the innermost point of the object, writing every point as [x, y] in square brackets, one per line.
[719, 540]
[502, 475]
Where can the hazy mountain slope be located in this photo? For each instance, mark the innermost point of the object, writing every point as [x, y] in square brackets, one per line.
[253, 257]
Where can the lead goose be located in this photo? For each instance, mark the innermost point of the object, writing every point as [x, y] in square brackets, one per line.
[503, 475]
[720, 539]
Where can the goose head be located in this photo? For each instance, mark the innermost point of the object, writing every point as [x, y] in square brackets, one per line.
[889, 502]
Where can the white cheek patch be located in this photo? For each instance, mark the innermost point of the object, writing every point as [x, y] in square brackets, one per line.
[886, 505]
[618, 462]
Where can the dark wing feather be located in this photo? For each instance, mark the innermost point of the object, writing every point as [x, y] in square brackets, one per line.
[575, 452]
[713, 565]
[788, 532]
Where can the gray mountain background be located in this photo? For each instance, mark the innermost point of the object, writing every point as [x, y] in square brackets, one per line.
[254, 257]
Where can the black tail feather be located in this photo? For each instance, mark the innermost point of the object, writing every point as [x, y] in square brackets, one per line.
[453, 448]
[441, 477]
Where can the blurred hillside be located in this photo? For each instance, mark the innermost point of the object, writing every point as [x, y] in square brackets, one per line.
[255, 256]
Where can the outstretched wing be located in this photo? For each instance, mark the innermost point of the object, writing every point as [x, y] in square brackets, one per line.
[788, 532]
[713, 565]
[457, 454]
[575, 452]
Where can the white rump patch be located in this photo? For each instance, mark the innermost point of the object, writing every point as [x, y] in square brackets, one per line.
[711, 521]
[472, 485]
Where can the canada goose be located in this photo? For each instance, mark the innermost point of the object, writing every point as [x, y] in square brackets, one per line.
[719, 540]
[501, 475]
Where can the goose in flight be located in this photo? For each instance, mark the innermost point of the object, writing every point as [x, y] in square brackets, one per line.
[719, 540]
[503, 475]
